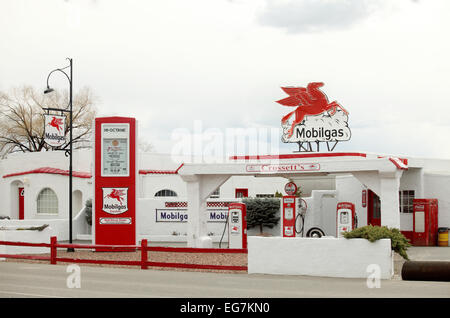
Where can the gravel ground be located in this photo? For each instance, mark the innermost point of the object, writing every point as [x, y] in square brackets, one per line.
[165, 257]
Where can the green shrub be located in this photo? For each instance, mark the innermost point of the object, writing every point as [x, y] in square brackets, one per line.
[399, 243]
[88, 211]
[262, 212]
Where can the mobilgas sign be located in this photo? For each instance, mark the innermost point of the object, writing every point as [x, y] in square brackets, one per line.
[115, 200]
[314, 118]
[180, 215]
[54, 131]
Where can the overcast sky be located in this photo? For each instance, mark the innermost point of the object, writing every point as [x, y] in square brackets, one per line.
[220, 64]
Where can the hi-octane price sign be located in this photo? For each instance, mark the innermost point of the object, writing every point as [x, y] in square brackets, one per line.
[115, 149]
[115, 181]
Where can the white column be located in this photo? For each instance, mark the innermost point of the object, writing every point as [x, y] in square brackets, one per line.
[196, 229]
[389, 187]
[199, 188]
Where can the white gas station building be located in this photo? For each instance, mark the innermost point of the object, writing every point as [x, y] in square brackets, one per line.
[34, 191]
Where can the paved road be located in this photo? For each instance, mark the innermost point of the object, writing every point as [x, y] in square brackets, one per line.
[43, 280]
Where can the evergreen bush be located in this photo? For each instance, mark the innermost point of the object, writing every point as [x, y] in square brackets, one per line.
[399, 243]
[262, 212]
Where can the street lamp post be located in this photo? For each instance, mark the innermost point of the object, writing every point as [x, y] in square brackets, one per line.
[68, 152]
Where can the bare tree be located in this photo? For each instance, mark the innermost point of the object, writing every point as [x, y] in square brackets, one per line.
[22, 120]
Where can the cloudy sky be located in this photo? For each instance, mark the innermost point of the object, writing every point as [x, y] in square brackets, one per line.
[215, 65]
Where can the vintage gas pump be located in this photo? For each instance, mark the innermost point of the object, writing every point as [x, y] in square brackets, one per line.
[425, 220]
[345, 218]
[237, 225]
[289, 216]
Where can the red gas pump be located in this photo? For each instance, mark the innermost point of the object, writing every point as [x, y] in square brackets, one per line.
[345, 218]
[425, 220]
[237, 225]
[288, 218]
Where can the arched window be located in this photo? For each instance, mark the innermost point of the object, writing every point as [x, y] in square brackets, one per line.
[47, 202]
[166, 193]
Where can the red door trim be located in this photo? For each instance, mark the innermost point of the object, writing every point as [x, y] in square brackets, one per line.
[370, 203]
[21, 194]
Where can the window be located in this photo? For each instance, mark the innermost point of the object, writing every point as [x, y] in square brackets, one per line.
[241, 193]
[406, 201]
[166, 193]
[215, 194]
[265, 195]
[47, 202]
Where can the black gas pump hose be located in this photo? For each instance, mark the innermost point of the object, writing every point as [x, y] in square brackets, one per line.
[303, 224]
[223, 233]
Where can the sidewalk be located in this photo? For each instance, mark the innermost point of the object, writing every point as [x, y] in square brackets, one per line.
[421, 253]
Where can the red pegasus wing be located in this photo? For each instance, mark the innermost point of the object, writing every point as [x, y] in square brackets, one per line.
[293, 90]
[289, 101]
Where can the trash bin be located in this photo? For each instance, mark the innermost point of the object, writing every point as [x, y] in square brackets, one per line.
[443, 236]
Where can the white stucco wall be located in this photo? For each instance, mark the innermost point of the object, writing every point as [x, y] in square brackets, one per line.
[60, 227]
[437, 185]
[25, 236]
[329, 257]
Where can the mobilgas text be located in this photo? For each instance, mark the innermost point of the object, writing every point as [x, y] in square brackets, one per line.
[321, 132]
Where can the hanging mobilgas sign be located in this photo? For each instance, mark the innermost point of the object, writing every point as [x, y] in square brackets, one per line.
[54, 130]
[314, 118]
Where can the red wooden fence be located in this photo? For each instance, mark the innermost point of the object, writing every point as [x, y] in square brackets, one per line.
[144, 263]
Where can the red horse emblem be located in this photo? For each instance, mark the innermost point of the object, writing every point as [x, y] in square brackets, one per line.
[309, 101]
[116, 194]
[56, 123]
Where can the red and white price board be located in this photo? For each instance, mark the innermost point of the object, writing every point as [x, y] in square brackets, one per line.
[115, 181]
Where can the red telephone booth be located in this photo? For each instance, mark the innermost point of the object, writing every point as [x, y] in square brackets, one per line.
[425, 222]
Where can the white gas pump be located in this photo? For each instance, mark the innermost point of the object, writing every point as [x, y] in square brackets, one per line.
[237, 226]
[345, 218]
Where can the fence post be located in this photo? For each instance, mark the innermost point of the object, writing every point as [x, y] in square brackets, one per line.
[144, 255]
[53, 241]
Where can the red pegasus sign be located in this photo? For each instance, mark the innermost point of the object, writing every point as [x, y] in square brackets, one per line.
[117, 195]
[309, 101]
[314, 118]
[115, 200]
[56, 123]
[55, 130]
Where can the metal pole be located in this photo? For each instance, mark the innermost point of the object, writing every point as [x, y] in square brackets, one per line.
[70, 249]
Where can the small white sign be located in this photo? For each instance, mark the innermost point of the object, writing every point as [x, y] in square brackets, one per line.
[54, 130]
[115, 220]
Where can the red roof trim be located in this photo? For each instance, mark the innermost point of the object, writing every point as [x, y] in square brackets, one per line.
[48, 170]
[161, 171]
[299, 156]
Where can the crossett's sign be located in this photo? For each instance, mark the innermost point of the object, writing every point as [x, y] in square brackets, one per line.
[314, 119]
[277, 168]
[54, 131]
